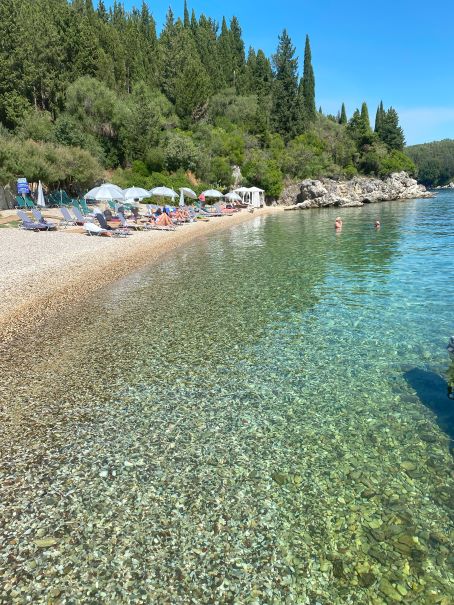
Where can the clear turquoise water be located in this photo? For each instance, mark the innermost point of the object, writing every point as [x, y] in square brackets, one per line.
[260, 418]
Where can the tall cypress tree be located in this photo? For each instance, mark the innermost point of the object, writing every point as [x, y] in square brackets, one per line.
[308, 85]
[102, 12]
[285, 91]
[379, 118]
[365, 116]
[225, 53]
[193, 21]
[343, 115]
[186, 20]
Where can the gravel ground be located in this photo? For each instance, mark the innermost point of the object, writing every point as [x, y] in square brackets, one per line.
[42, 271]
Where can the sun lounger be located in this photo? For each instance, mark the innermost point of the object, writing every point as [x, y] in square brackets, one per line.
[207, 213]
[40, 218]
[92, 229]
[20, 202]
[67, 220]
[116, 232]
[29, 225]
[85, 208]
[80, 218]
[128, 225]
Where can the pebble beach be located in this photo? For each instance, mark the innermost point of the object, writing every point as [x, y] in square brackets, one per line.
[41, 272]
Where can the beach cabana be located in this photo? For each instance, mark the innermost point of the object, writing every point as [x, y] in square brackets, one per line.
[252, 196]
[257, 197]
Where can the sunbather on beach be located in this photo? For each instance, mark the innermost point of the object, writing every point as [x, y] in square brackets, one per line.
[164, 220]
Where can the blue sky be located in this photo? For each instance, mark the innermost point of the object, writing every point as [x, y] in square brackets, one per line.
[400, 51]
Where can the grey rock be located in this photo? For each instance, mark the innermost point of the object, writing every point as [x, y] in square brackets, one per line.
[355, 192]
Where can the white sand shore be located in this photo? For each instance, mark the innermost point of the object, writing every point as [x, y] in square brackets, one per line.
[41, 272]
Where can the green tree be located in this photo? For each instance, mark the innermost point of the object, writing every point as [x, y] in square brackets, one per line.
[308, 85]
[186, 19]
[379, 118]
[285, 91]
[343, 115]
[365, 116]
[192, 90]
[390, 132]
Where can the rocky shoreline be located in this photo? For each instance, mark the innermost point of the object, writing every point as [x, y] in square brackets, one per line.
[356, 192]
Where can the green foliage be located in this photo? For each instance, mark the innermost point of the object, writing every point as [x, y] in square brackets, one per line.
[55, 165]
[343, 115]
[95, 87]
[180, 151]
[36, 125]
[308, 85]
[434, 162]
[284, 112]
[307, 157]
[389, 130]
[397, 161]
[264, 172]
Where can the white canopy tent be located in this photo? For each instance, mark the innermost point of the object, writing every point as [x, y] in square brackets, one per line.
[252, 196]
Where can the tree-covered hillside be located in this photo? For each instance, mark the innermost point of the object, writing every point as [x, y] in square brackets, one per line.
[84, 89]
[434, 162]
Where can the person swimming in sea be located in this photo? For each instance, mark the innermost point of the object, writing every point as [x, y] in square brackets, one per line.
[338, 223]
[377, 224]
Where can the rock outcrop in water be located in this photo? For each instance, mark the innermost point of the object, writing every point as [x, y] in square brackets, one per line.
[358, 191]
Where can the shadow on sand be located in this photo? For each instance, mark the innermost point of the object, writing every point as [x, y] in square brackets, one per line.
[432, 391]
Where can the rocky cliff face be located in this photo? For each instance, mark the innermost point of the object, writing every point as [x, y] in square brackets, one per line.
[356, 192]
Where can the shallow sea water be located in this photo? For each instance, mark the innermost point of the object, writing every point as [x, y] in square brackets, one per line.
[261, 418]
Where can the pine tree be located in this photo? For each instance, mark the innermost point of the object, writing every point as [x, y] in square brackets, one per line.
[359, 127]
[390, 132]
[308, 85]
[285, 91]
[343, 115]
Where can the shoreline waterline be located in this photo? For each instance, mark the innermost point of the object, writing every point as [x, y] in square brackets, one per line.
[38, 295]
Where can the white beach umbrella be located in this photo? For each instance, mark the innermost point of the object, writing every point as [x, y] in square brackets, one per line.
[188, 193]
[134, 193]
[40, 201]
[232, 197]
[163, 192]
[212, 193]
[105, 192]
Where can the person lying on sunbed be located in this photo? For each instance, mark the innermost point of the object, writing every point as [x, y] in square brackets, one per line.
[164, 220]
